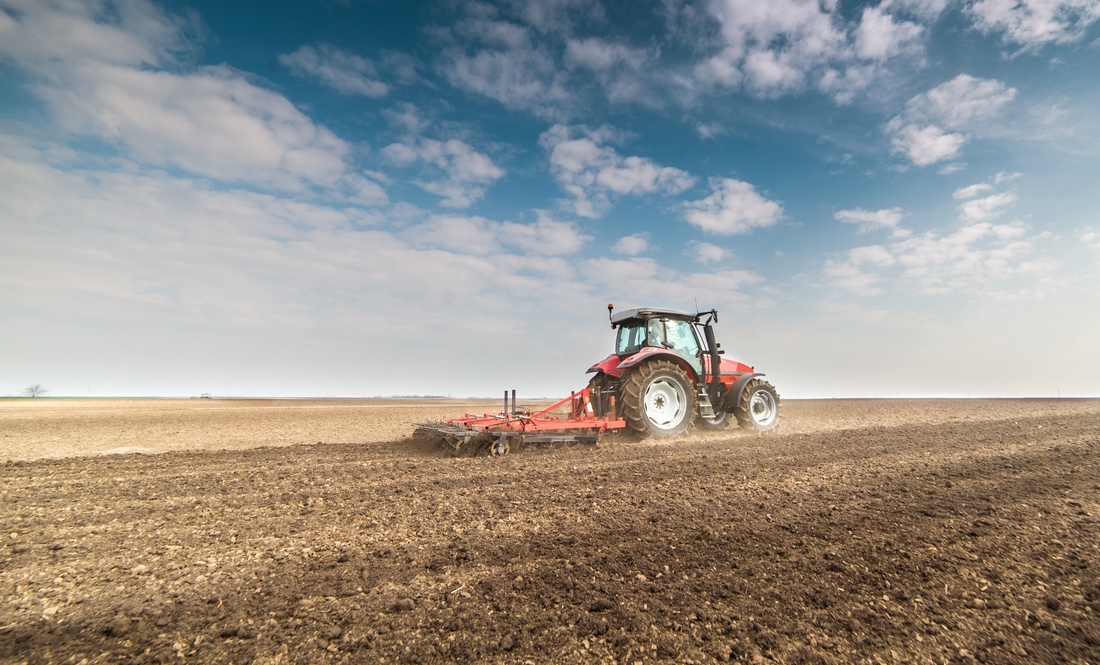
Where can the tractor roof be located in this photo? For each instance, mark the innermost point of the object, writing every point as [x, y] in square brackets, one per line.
[643, 313]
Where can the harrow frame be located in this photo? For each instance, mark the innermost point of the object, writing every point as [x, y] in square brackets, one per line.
[520, 426]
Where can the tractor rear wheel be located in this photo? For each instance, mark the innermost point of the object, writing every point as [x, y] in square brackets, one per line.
[658, 399]
[722, 421]
[759, 409]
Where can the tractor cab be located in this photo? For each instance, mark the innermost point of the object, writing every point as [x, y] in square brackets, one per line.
[659, 329]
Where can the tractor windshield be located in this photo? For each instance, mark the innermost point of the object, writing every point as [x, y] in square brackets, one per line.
[630, 340]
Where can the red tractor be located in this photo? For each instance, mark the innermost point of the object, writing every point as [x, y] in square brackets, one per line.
[667, 368]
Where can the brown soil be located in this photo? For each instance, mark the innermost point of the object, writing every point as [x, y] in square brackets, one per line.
[865, 531]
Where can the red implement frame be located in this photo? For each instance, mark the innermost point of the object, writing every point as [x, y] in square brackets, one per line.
[581, 425]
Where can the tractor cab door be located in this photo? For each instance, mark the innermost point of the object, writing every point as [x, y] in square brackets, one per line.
[680, 337]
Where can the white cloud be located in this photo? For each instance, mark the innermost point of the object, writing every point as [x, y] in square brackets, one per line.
[600, 55]
[989, 207]
[592, 172]
[769, 46]
[104, 79]
[1034, 23]
[645, 279]
[631, 245]
[869, 220]
[923, 145]
[341, 70]
[467, 172]
[954, 167]
[961, 100]
[874, 254]
[850, 275]
[623, 72]
[733, 207]
[1004, 176]
[978, 258]
[925, 9]
[42, 35]
[545, 236]
[879, 37]
[775, 48]
[708, 254]
[709, 130]
[971, 191]
[503, 61]
[481, 236]
[961, 103]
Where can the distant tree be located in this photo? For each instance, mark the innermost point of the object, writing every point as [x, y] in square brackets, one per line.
[35, 390]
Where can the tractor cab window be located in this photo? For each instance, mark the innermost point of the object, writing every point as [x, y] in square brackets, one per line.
[681, 337]
[630, 340]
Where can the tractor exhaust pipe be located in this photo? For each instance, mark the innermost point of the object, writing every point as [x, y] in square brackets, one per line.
[715, 362]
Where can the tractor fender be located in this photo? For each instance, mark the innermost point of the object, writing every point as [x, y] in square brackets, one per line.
[608, 366]
[733, 396]
[653, 352]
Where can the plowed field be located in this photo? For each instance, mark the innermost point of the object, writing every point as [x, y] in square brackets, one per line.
[864, 531]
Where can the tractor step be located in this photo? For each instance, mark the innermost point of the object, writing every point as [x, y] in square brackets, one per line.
[706, 409]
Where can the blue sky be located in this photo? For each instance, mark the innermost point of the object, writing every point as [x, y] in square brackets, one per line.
[890, 198]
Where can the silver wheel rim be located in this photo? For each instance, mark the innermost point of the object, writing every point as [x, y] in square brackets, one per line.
[665, 404]
[762, 408]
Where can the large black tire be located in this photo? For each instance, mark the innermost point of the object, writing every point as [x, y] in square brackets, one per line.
[658, 400]
[759, 409]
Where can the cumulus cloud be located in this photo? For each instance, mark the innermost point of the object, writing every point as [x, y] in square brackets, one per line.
[622, 71]
[958, 104]
[870, 220]
[989, 207]
[768, 47]
[775, 48]
[1034, 23]
[625, 278]
[971, 191]
[849, 274]
[925, 9]
[960, 101]
[708, 254]
[109, 79]
[977, 258]
[599, 55]
[880, 36]
[733, 207]
[505, 61]
[632, 245]
[340, 70]
[481, 236]
[593, 172]
[453, 170]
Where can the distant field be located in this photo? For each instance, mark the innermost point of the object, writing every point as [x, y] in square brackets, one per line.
[43, 428]
[55, 428]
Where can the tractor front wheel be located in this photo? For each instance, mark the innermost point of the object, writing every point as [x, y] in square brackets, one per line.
[658, 400]
[759, 409]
